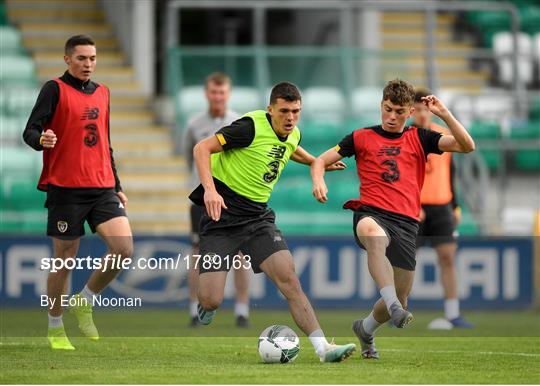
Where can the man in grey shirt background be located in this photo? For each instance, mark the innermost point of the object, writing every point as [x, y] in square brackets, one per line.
[217, 91]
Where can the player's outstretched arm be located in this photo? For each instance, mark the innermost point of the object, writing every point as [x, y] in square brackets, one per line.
[201, 154]
[330, 157]
[460, 141]
[302, 156]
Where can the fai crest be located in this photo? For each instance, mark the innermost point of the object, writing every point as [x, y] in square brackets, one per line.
[62, 226]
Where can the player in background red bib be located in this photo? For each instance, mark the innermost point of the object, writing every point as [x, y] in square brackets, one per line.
[70, 124]
[390, 160]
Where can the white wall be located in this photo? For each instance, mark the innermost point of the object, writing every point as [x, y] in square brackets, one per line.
[134, 25]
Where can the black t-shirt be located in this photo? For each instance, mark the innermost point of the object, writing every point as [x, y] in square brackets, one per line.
[238, 134]
[241, 133]
[429, 140]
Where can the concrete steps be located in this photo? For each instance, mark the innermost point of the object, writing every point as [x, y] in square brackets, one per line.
[61, 29]
[155, 181]
[48, 44]
[55, 58]
[25, 15]
[405, 34]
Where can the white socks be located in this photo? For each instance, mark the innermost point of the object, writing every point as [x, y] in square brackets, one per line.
[241, 309]
[451, 308]
[55, 321]
[370, 324]
[389, 296]
[88, 295]
[318, 341]
[193, 308]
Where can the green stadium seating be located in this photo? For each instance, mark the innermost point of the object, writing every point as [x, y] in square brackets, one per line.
[530, 19]
[18, 101]
[17, 222]
[487, 130]
[534, 109]
[20, 162]
[11, 129]
[488, 23]
[468, 225]
[320, 134]
[3, 14]
[527, 159]
[17, 69]
[21, 194]
[10, 40]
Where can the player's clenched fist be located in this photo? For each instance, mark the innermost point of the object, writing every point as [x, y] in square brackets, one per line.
[48, 139]
[319, 191]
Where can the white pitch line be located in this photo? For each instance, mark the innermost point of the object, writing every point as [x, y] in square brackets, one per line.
[523, 354]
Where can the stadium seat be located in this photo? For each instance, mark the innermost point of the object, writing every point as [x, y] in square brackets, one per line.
[468, 225]
[503, 47]
[192, 101]
[530, 19]
[3, 13]
[21, 193]
[447, 96]
[17, 69]
[11, 130]
[20, 100]
[321, 134]
[536, 53]
[366, 102]
[245, 99]
[493, 107]
[10, 40]
[489, 23]
[534, 108]
[324, 104]
[527, 159]
[20, 161]
[463, 107]
[487, 130]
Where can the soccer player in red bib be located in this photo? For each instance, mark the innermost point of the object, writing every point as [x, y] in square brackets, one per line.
[70, 124]
[390, 160]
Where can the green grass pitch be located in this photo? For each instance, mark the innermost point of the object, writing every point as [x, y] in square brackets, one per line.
[156, 346]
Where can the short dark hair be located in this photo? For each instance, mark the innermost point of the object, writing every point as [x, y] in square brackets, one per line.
[218, 78]
[78, 40]
[421, 93]
[285, 90]
[399, 92]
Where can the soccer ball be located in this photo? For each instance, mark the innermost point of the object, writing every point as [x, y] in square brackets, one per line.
[278, 344]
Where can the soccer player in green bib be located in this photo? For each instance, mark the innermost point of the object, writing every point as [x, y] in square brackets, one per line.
[238, 168]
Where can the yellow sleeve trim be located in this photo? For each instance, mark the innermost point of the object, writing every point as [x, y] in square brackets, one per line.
[337, 148]
[221, 139]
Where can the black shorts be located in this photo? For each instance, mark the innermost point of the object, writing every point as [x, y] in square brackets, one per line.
[195, 213]
[438, 227]
[70, 208]
[401, 232]
[255, 236]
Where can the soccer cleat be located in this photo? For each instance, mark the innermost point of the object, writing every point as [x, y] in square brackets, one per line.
[58, 339]
[367, 342]
[194, 321]
[400, 317]
[337, 353]
[83, 312]
[242, 321]
[459, 322]
[205, 317]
